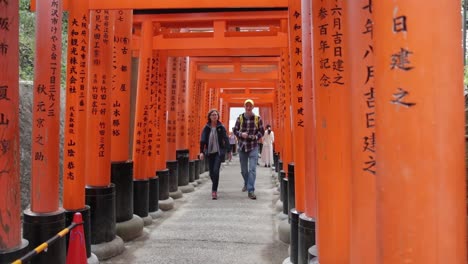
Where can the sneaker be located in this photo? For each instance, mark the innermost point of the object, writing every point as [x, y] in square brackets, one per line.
[265, 165]
[252, 196]
[244, 188]
[214, 196]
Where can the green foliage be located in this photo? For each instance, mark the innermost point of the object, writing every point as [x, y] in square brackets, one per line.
[465, 79]
[27, 41]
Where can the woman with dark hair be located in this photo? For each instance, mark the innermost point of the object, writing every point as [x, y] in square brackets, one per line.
[214, 144]
[268, 140]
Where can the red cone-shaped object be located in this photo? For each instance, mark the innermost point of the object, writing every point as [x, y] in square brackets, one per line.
[77, 243]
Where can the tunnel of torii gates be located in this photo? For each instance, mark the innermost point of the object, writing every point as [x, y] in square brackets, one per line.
[365, 98]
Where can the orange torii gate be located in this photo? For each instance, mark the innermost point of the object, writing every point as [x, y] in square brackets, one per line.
[12, 245]
[413, 116]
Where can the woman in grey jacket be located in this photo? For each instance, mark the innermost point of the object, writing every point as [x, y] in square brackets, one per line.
[214, 144]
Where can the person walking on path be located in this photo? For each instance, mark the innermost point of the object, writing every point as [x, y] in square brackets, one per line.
[268, 140]
[248, 130]
[232, 142]
[214, 144]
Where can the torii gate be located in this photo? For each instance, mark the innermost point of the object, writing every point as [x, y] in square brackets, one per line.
[420, 182]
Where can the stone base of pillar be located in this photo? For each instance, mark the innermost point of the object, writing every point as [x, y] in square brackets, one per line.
[157, 214]
[187, 188]
[131, 229]
[287, 261]
[176, 195]
[167, 204]
[15, 253]
[109, 249]
[282, 216]
[279, 206]
[38, 228]
[147, 220]
[92, 260]
[313, 255]
[85, 214]
[284, 231]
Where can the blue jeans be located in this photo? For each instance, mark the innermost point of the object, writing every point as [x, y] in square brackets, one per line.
[214, 161]
[248, 162]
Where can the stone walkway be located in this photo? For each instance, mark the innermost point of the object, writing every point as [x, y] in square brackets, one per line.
[230, 230]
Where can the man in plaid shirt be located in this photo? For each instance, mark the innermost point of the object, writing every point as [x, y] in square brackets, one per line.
[248, 130]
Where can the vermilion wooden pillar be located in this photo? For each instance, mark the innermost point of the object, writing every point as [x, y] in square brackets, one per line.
[278, 119]
[181, 126]
[45, 209]
[307, 220]
[333, 132]
[297, 99]
[75, 118]
[216, 101]
[309, 111]
[46, 109]
[361, 69]
[182, 104]
[142, 127]
[12, 246]
[191, 102]
[171, 108]
[161, 143]
[298, 240]
[285, 103]
[153, 108]
[225, 115]
[421, 196]
[99, 92]
[171, 130]
[100, 193]
[121, 76]
[75, 109]
[121, 163]
[142, 112]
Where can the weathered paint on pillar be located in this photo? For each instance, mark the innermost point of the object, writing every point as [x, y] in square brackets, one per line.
[359, 39]
[309, 112]
[215, 102]
[194, 115]
[161, 98]
[286, 108]
[10, 204]
[99, 104]
[121, 76]
[201, 116]
[297, 101]
[279, 136]
[171, 108]
[142, 111]
[181, 105]
[421, 211]
[75, 109]
[152, 119]
[333, 132]
[46, 108]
